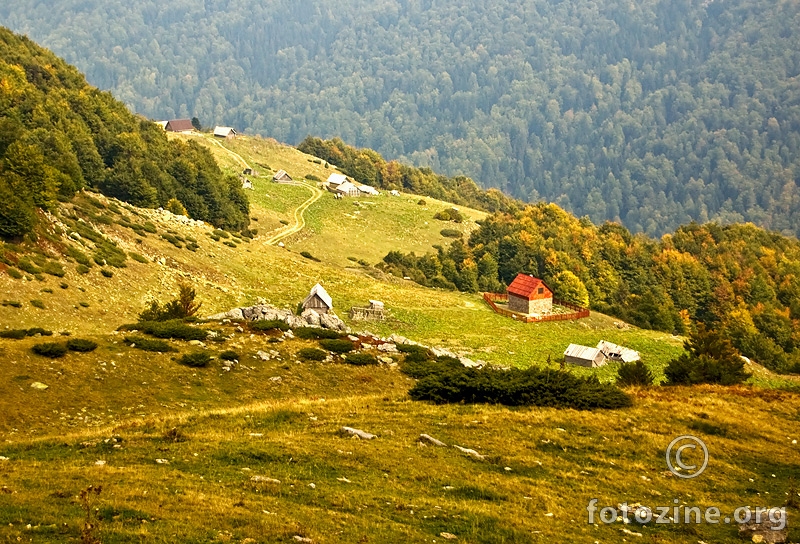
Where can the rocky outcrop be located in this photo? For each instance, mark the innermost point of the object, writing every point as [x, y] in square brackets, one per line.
[308, 318]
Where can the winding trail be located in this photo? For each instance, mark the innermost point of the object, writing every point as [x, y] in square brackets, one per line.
[299, 217]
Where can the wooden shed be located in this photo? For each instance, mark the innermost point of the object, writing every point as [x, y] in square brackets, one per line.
[225, 132]
[318, 300]
[179, 125]
[529, 295]
[281, 176]
[375, 311]
[616, 352]
[584, 356]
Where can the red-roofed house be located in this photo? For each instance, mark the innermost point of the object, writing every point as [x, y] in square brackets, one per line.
[529, 295]
[179, 125]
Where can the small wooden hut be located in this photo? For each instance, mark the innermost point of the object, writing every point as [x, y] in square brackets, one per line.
[227, 133]
[375, 311]
[179, 125]
[281, 176]
[584, 356]
[318, 300]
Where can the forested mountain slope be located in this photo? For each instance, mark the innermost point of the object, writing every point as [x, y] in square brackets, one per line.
[59, 135]
[653, 113]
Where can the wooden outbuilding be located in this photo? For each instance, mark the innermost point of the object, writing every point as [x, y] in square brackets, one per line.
[584, 356]
[529, 295]
[318, 300]
[375, 311]
[179, 125]
[616, 352]
[225, 132]
[281, 176]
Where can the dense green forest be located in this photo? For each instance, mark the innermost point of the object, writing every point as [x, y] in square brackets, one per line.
[59, 135]
[740, 279]
[652, 113]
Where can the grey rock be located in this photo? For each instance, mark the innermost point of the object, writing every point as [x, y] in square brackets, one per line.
[359, 433]
[428, 439]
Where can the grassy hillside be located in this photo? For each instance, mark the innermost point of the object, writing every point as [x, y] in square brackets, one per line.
[279, 418]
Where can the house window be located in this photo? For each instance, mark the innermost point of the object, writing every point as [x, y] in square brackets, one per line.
[541, 290]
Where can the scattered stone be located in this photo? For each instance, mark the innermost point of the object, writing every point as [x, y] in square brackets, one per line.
[630, 533]
[264, 480]
[345, 480]
[431, 440]
[39, 386]
[263, 355]
[359, 433]
[388, 348]
[299, 538]
[448, 536]
[162, 461]
[3, 458]
[99, 463]
[288, 334]
[386, 360]
[276, 379]
[470, 452]
[196, 343]
[312, 486]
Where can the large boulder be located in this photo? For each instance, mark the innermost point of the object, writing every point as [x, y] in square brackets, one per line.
[332, 321]
[310, 317]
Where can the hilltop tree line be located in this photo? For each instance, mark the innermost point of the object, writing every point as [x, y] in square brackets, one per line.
[738, 279]
[650, 113]
[59, 135]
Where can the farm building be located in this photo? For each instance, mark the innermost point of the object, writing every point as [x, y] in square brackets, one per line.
[618, 353]
[318, 300]
[248, 172]
[225, 132]
[529, 295]
[247, 184]
[368, 190]
[335, 179]
[375, 311]
[346, 189]
[281, 176]
[162, 124]
[179, 125]
[584, 356]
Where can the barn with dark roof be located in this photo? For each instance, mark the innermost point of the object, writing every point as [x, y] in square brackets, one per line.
[529, 295]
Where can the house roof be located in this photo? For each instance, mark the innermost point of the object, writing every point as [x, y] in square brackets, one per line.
[179, 125]
[582, 352]
[281, 174]
[223, 131]
[323, 295]
[615, 351]
[337, 179]
[368, 189]
[525, 285]
[345, 187]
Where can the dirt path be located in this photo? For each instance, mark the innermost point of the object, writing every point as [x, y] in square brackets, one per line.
[299, 218]
[231, 153]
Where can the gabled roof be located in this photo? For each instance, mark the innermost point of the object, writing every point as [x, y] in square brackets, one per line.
[617, 352]
[282, 174]
[368, 189]
[179, 125]
[525, 285]
[337, 179]
[223, 131]
[346, 187]
[582, 352]
[323, 295]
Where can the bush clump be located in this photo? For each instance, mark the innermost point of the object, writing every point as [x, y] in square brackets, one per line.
[710, 358]
[198, 359]
[174, 329]
[33, 331]
[50, 349]
[265, 325]
[449, 215]
[81, 345]
[313, 333]
[229, 355]
[14, 273]
[14, 334]
[635, 373]
[337, 346]
[450, 233]
[148, 344]
[312, 354]
[12, 303]
[107, 273]
[309, 256]
[37, 303]
[447, 381]
[360, 359]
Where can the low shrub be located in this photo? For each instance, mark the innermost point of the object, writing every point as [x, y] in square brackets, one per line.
[13, 334]
[422, 202]
[312, 354]
[447, 383]
[12, 303]
[172, 240]
[229, 244]
[265, 325]
[312, 177]
[149, 227]
[64, 285]
[221, 233]
[636, 373]
[309, 256]
[173, 329]
[26, 265]
[450, 233]
[54, 269]
[83, 304]
[360, 359]
[47, 290]
[14, 273]
[313, 333]
[106, 272]
[414, 354]
[82, 269]
[50, 349]
[33, 331]
[138, 258]
[148, 344]
[229, 355]
[81, 345]
[284, 222]
[337, 346]
[198, 359]
[36, 303]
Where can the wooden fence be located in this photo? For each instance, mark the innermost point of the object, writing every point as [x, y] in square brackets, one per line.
[577, 313]
[373, 314]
